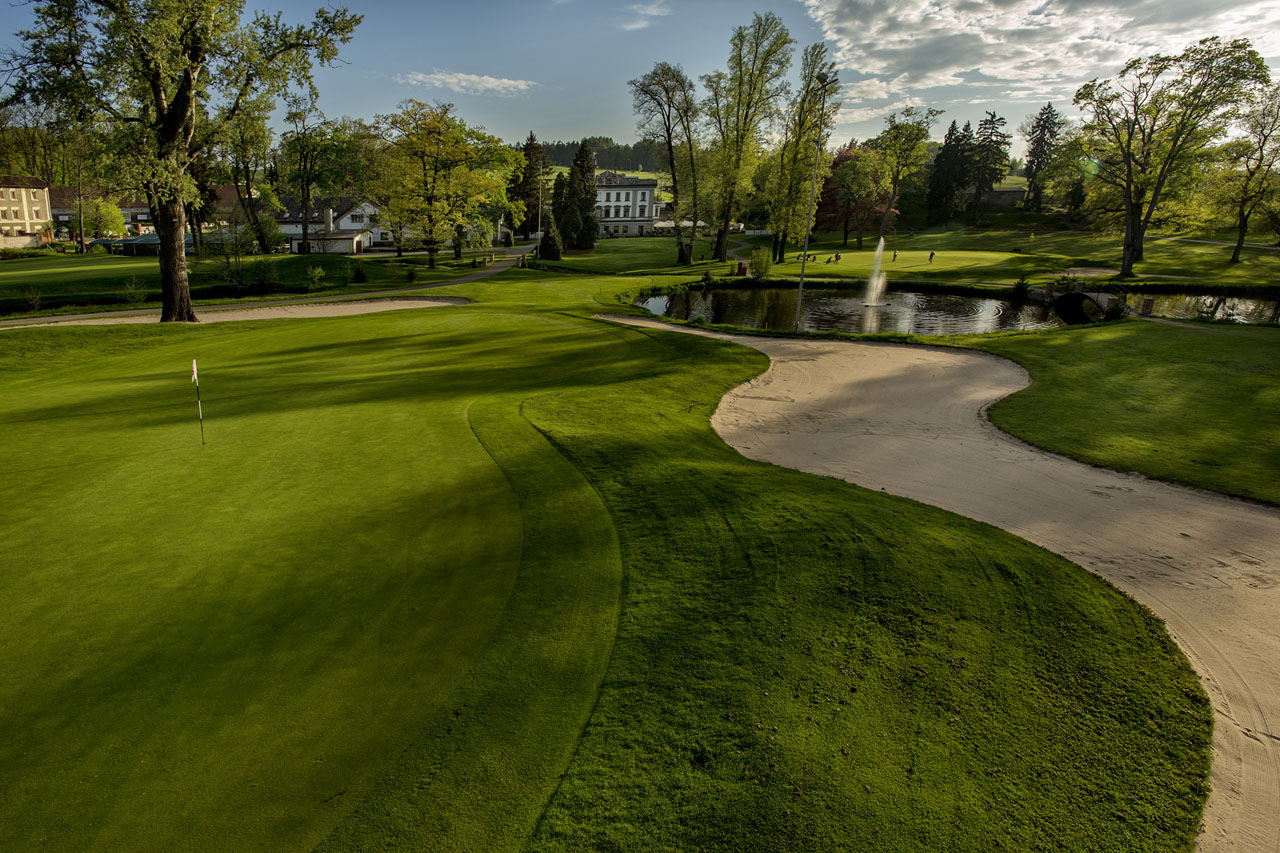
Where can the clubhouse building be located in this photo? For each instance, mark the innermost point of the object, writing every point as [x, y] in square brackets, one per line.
[626, 206]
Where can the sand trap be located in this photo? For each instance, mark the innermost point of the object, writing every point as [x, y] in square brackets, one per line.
[911, 420]
[277, 312]
[1090, 271]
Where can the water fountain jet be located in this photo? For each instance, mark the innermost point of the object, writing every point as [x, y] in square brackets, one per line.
[877, 281]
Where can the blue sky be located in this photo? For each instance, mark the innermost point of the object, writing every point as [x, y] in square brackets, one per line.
[560, 67]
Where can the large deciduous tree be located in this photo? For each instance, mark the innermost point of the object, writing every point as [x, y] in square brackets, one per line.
[449, 170]
[665, 101]
[740, 101]
[1253, 161]
[855, 192]
[901, 146]
[1150, 122]
[169, 76]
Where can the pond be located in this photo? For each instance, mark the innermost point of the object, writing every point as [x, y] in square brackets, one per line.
[846, 311]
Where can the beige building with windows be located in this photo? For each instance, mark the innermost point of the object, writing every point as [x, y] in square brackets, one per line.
[625, 206]
[24, 211]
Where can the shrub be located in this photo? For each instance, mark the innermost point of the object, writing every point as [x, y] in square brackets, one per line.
[134, 291]
[34, 298]
[315, 278]
[358, 274]
[96, 249]
[550, 248]
[410, 273]
[1021, 289]
[760, 263]
[508, 240]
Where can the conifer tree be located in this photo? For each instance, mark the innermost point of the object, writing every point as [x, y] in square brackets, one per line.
[951, 174]
[1042, 141]
[531, 187]
[578, 225]
[990, 156]
[550, 249]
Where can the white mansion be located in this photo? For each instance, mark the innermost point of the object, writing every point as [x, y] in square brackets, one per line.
[626, 206]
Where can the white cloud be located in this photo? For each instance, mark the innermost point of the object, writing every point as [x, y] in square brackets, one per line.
[642, 14]
[941, 48]
[467, 84]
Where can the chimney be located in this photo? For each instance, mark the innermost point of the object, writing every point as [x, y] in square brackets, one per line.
[328, 219]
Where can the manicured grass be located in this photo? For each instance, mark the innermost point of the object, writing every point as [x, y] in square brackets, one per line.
[641, 256]
[1191, 404]
[485, 578]
[67, 283]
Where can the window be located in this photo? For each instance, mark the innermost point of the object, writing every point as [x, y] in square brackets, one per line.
[642, 211]
[13, 194]
[628, 198]
[357, 217]
[606, 197]
[606, 213]
[617, 210]
[624, 229]
[642, 199]
[34, 196]
[35, 213]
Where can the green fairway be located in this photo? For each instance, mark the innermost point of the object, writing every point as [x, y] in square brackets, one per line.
[641, 256]
[1191, 404]
[484, 578]
[65, 283]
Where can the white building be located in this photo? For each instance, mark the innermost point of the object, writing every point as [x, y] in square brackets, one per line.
[626, 206]
[339, 226]
[24, 211]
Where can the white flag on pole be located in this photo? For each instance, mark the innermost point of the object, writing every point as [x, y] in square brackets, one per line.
[194, 377]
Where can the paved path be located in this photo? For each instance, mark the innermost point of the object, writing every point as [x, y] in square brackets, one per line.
[499, 265]
[911, 420]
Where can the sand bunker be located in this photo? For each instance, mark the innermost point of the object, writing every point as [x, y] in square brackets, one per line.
[274, 312]
[911, 420]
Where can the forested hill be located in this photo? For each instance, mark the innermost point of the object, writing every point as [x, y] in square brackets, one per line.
[634, 157]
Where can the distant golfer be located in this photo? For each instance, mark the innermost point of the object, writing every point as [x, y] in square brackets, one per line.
[931, 257]
[895, 255]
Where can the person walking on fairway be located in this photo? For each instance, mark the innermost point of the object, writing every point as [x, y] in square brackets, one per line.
[895, 255]
[931, 257]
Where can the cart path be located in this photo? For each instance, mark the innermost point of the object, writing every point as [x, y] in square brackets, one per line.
[910, 420]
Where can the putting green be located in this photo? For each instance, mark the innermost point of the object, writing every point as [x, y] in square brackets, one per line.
[237, 642]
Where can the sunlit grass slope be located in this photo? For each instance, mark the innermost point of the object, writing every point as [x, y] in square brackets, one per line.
[1197, 404]
[432, 560]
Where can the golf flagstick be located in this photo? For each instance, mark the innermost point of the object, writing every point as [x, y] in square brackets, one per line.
[195, 377]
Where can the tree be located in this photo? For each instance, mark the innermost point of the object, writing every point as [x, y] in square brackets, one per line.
[855, 192]
[901, 146]
[990, 155]
[1252, 161]
[449, 171]
[168, 76]
[530, 185]
[550, 248]
[664, 100]
[579, 227]
[245, 150]
[740, 101]
[99, 217]
[952, 174]
[1042, 140]
[1153, 119]
[807, 117]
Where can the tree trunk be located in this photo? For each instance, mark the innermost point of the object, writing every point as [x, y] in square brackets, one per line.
[1242, 229]
[175, 291]
[888, 212]
[458, 235]
[844, 244]
[432, 249]
[859, 237]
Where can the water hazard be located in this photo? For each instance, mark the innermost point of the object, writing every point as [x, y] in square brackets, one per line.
[846, 311]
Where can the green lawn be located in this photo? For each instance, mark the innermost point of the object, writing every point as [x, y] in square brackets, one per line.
[485, 578]
[68, 283]
[642, 256]
[1191, 404]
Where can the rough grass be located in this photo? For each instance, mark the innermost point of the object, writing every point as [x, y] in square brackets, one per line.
[68, 283]
[1196, 404]
[376, 608]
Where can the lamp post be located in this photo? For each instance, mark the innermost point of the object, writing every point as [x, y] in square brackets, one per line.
[823, 82]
